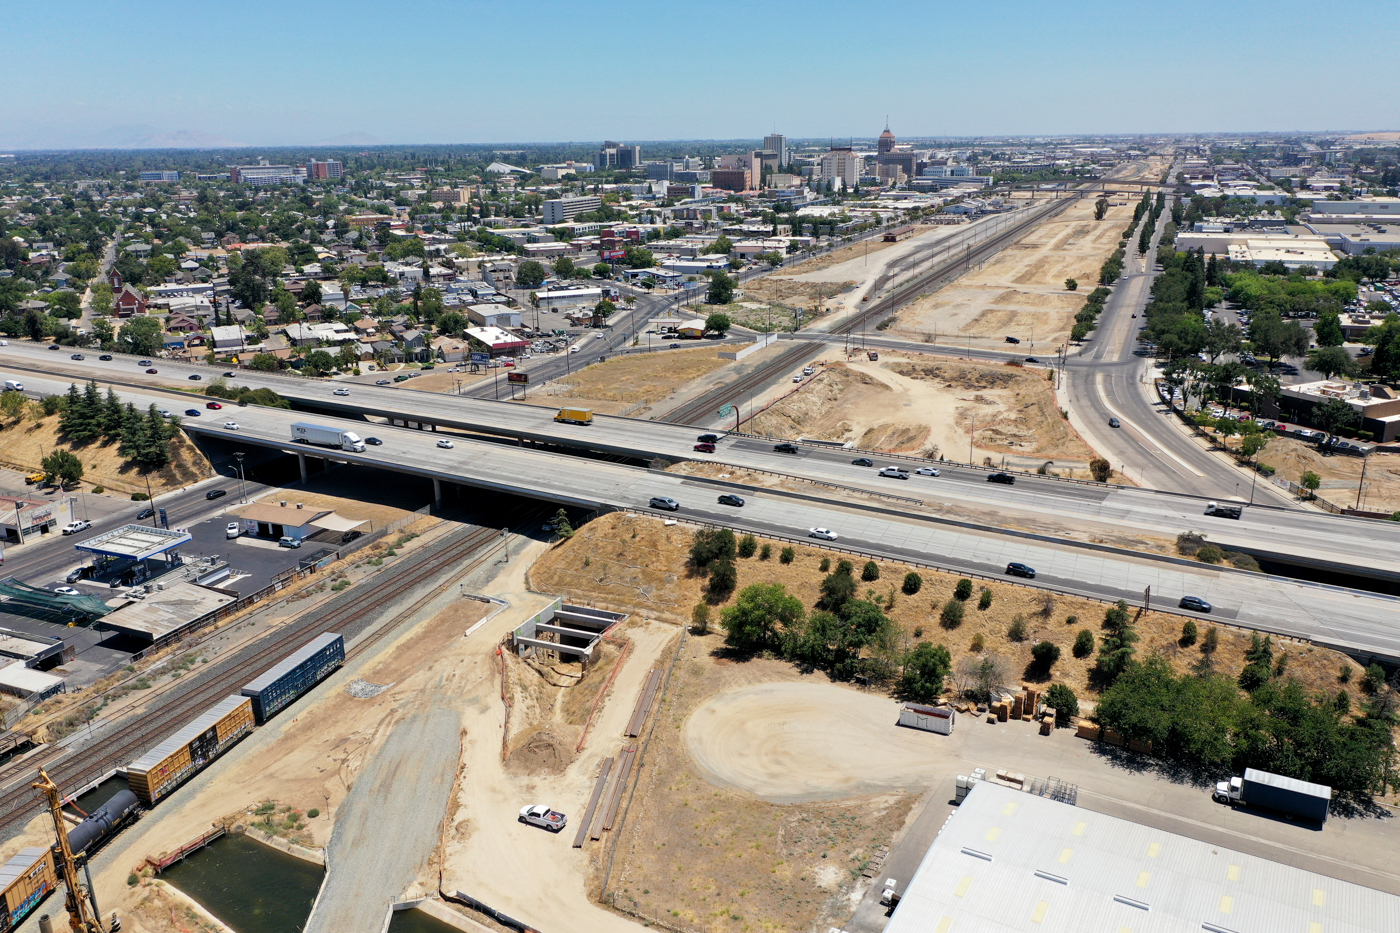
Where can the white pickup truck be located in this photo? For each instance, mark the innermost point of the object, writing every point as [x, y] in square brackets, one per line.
[540, 815]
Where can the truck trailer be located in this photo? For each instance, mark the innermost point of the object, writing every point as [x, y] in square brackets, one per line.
[320, 436]
[1275, 792]
[1223, 511]
[574, 416]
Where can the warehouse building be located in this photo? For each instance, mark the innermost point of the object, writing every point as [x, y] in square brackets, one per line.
[1011, 862]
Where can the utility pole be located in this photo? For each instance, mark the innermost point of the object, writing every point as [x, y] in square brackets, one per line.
[242, 489]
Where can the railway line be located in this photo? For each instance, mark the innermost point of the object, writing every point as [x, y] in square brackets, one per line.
[349, 613]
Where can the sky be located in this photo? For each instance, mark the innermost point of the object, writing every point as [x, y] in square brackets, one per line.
[80, 73]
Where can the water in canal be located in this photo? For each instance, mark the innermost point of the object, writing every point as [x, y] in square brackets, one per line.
[90, 800]
[249, 886]
[415, 921]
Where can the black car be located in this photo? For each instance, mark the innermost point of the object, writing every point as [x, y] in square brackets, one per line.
[195, 377]
[54, 346]
[373, 441]
[731, 499]
[106, 357]
[192, 412]
[1196, 603]
[216, 493]
[862, 461]
[1006, 478]
[1017, 569]
[1031, 359]
[708, 439]
[145, 513]
[230, 375]
[785, 448]
[1013, 339]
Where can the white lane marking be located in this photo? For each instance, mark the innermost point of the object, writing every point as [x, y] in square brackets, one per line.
[1103, 396]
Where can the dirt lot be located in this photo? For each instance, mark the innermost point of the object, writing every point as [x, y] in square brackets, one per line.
[1341, 474]
[443, 379]
[26, 442]
[918, 405]
[787, 293]
[1021, 292]
[625, 382]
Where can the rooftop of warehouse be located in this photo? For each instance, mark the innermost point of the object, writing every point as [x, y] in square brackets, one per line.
[1011, 862]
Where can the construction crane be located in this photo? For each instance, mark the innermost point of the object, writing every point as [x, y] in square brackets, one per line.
[79, 918]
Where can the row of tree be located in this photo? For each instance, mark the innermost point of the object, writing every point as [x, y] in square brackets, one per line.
[86, 416]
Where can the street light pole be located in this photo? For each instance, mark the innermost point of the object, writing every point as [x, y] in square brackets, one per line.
[242, 488]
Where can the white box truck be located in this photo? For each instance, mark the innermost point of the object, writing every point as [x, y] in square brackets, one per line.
[319, 436]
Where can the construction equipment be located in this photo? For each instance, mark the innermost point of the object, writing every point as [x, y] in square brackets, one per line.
[79, 919]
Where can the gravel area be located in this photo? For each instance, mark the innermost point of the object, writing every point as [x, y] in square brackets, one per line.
[388, 825]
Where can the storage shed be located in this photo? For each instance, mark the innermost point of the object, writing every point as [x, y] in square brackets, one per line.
[283, 683]
[172, 762]
[19, 680]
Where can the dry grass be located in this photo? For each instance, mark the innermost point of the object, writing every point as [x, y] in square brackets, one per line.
[791, 294]
[26, 442]
[637, 379]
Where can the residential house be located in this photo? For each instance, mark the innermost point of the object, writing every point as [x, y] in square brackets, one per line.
[128, 301]
[314, 314]
[302, 335]
[232, 337]
[181, 324]
[366, 327]
[450, 349]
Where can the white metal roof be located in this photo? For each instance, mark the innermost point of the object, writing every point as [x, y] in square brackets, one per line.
[188, 734]
[137, 542]
[19, 677]
[1012, 862]
[279, 670]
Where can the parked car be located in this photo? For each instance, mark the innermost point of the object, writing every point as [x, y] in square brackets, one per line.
[1196, 603]
[705, 448]
[1018, 569]
[66, 591]
[825, 534]
[445, 444]
[77, 574]
[73, 528]
[666, 503]
[894, 473]
[286, 541]
[542, 816]
[373, 441]
[215, 406]
[232, 531]
[730, 499]
[230, 425]
[341, 391]
[863, 461]
[1005, 478]
[785, 448]
[216, 494]
[926, 471]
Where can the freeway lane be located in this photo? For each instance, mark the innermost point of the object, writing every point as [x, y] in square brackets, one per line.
[1311, 538]
[1362, 622]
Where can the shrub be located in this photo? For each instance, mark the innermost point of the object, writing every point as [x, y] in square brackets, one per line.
[724, 576]
[977, 643]
[139, 497]
[1344, 673]
[1017, 630]
[912, 583]
[846, 567]
[313, 812]
[825, 565]
[837, 590]
[1062, 700]
[1211, 641]
[924, 670]
[1188, 633]
[133, 880]
[1071, 620]
[963, 591]
[710, 545]
[1045, 653]
[1083, 644]
[748, 544]
[952, 615]
[871, 571]
[985, 600]
[99, 490]
[918, 631]
[1374, 679]
[700, 618]
[1100, 469]
[787, 555]
[765, 552]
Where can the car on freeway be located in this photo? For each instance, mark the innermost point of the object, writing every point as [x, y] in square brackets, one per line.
[1018, 569]
[383, 382]
[143, 363]
[1114, 423]
[401, 377]
[1194, 602]
[863, 461]
[341, 392]
[216, 494]
[705, 448]
[665, 503]
[195, 377]
[675, 346]
[445, 444]
[192, 412]
[708, 439]
[230, 375]
[1005, 478]
[66, 591]
[573, 349]
[730, 499]
[77, 356]
[165, 413]
[144, 514]
[373, 441]
[543, 817]
[54, 346]
[287, 541]
[73, 528]
[213, 406]
[106, 357]
[825, 534]
[230, 425]
[152, 371]
[785, 448]
[895, 473]
[598, 336]
[926, 471]
[232, 531]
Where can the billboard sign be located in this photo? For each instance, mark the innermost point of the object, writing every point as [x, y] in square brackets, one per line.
[518, 377]
[613, 255]
[482, 358]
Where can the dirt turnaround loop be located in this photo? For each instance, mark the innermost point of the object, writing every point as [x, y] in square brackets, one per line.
[793, 743]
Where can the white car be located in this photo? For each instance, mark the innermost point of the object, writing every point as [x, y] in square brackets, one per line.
[230, 425]
[573, 349]
[445, 444]
[66, 591]
[894, 473]
[825, 534]
[597, 336]
[232, 530]
[544, 817]
[926, 471]
[73, 528]
[341, 392]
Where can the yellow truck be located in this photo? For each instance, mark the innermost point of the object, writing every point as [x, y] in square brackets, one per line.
[35, 479]
[575, 416]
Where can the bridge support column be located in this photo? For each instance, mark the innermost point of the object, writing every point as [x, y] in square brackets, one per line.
[437, 493]
[325, 464]
[301, 462]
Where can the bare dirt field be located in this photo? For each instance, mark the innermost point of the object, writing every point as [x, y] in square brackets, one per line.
[27, 441]
[1021, 292]
[1341, 474]
[627, 381]
[926, 406]
[790, 293]
[443, 379]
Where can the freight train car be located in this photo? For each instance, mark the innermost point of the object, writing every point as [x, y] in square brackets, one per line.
[285, 682]
[180, 757]
[103, 822]
[26, 880]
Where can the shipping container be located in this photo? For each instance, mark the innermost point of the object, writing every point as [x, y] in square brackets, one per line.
[283, 683]
[27, 879]
[929, 718]
[180, 757]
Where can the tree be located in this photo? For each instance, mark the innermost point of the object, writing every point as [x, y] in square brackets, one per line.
[530, 274]
[748, 546]
[1116, 652]
[1311, 482]
[724, 576]
[718, 323]
[982, 676]
[870, 572]
[12, 403]
[1221, 338]
[634, 257]
[721, 290]
[962, 590]
[1071, 285]
[1264, 391]
[564, 267]
[1100, 208]
[1062, 700]
[66, 304]
[1335, 415]
[1044, 654]
[1188, 633]
[311, 292]
[1328, 330]
[712, 544]
[1083, 643]
[761, 612]
[1100, 469]
[601, 270]
[952, 615]
[562, 527]
[1276, 338]
[603, 310]
[722, 246]
[62, 465]
[101, 299]
[318, 363]
[140, 336]
[451, 324]
[700, 618]
[837, 589]
[924, 671]
[1330, 361]
[912, 583]
[264, 362]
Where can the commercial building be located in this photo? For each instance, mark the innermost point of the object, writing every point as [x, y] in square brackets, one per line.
[559, 210]
[21, 517]
[498, 316]
[1293, 250]
[1355, 238]
[732, 179]
[1357, 211]
[265, 174]
[777, 143]
[841, 167]
[156, 177]
[1378, 406]
[323, 170]
[495, 341]
[1007, 861]
[615, 155]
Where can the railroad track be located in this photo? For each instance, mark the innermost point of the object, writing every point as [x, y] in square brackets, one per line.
[701, 409]
[348, 613]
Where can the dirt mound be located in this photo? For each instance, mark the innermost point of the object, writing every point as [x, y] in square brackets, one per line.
[954, 376]
[541, 750]
[822, 408]
[894, 437]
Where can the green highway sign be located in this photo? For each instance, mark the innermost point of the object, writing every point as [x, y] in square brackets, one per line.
[726, 410]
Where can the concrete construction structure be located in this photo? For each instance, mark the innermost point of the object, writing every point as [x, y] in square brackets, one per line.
[1007, 861]
[615, 155]
[732, 179]
[559, 210]
[265, 174]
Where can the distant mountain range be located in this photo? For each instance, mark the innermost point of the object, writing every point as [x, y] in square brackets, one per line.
[143, 136]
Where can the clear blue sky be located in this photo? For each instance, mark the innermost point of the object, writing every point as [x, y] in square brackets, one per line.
[265, 73]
